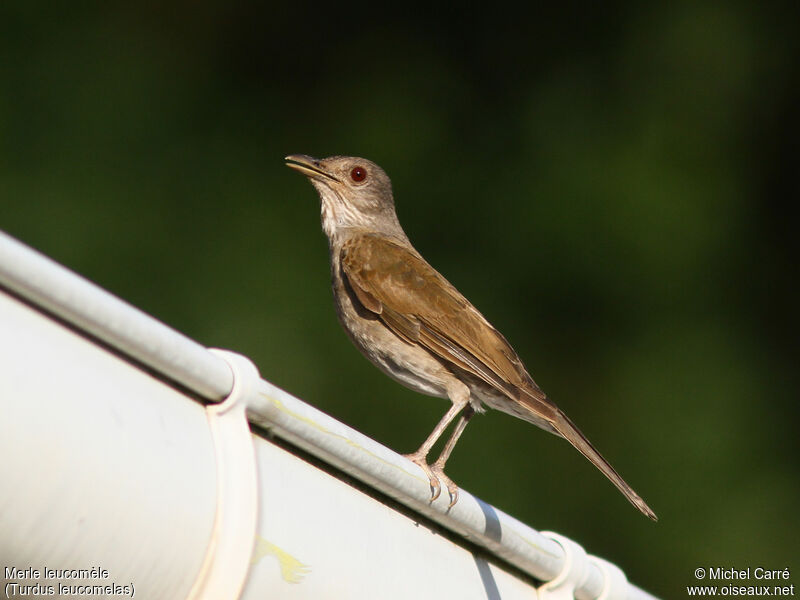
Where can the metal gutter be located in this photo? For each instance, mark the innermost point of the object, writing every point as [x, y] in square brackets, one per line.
[86, 307]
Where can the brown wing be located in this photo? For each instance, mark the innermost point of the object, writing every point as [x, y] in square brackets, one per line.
[422, 307]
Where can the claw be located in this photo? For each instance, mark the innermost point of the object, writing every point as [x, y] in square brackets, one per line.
[452, 488]
[436, 487]
[453, 492]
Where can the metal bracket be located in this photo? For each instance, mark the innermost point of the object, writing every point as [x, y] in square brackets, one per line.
[576, 564]
[615, 584]
[227, 561]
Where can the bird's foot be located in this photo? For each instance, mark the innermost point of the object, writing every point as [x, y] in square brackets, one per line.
[452, 488]
[437, 477]
[419, 460]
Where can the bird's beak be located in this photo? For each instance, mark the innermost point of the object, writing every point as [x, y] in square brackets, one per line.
[308, 166]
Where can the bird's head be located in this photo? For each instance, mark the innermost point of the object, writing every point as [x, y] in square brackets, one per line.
[355, 193]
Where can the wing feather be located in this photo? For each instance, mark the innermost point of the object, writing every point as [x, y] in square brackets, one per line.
[422, 307]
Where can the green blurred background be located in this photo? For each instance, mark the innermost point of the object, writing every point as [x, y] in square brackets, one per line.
[610, 184]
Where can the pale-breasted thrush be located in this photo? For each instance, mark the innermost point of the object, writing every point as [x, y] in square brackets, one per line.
[415, 326]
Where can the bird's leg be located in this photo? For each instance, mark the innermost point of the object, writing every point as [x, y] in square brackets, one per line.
[438, 467]
[459, 394]
[420, 456]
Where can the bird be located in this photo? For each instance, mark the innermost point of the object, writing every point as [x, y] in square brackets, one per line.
[416, 327]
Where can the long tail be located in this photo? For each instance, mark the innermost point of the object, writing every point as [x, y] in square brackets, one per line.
[557, 422]
[573, 435]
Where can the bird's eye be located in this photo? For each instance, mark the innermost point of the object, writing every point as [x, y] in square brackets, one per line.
[358, 174]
